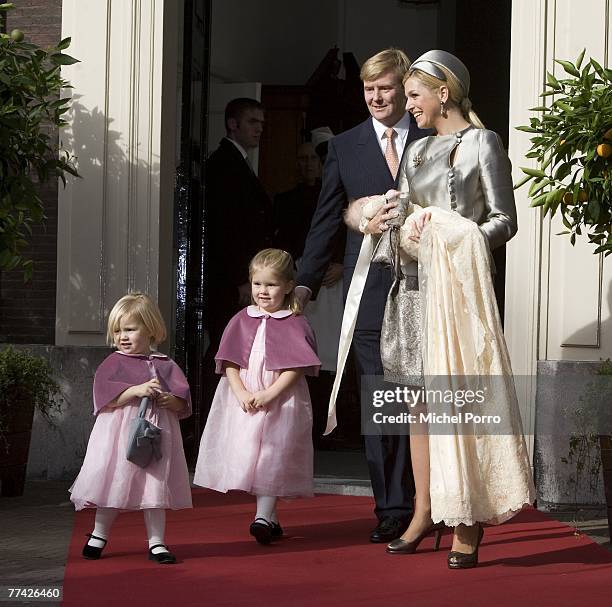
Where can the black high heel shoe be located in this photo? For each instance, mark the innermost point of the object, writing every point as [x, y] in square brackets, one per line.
[400, 546]
[93, 553]
[163, 558]
[461, 560]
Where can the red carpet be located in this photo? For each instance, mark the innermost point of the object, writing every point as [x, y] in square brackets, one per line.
[325, 560]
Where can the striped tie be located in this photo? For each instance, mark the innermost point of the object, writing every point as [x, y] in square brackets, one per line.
[391, 152]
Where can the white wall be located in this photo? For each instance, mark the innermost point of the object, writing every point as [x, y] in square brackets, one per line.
[279, 42]
[114, 222]
[558, 297]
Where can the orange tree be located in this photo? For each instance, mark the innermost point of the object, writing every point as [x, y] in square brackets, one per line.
[30, 112]
[572, 143]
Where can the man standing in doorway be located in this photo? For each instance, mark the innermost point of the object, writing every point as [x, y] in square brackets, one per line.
[364, 161]
[239, 214]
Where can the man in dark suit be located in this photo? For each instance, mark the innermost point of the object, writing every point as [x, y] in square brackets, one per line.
[239, 214]
[363, 162]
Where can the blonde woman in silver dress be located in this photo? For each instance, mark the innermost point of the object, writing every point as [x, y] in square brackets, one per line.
[462, 173]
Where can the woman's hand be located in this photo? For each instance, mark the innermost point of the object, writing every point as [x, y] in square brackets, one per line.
[418, 225]
[165, 400]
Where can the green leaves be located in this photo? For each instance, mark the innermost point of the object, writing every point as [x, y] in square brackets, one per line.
[63, 59]
[569, 175]
[569, 67]
[30, 112]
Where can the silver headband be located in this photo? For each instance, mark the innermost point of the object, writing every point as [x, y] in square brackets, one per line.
[431, 61]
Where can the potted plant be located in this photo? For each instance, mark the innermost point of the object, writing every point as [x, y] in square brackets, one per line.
[26, 385]
[572, 143]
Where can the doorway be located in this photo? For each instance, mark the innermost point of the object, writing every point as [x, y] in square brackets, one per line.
[301, 59]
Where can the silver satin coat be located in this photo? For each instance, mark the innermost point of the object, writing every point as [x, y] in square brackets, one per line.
[478, 186]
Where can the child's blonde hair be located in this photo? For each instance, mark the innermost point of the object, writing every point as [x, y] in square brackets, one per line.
[281, 263]
[141, 307]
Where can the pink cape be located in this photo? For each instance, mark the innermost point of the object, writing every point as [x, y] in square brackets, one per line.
[289, 342]
[118, 372]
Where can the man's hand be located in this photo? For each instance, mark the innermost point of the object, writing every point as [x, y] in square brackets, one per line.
[333, 274]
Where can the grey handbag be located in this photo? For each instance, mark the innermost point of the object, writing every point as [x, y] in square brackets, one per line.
[144, 442]
[400, 335]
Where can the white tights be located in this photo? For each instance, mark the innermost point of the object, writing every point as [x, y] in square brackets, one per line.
[155, 522]
[266, 508]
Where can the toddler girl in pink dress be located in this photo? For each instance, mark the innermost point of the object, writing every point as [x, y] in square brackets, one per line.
[107, 480]
[258, 434]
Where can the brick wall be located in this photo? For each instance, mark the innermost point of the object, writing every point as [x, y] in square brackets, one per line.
[27, 311]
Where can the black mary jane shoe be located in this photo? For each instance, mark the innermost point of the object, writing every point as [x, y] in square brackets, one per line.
[93, 553]
[277, 530]
[461, 560]
[262, 530]
[163, 558]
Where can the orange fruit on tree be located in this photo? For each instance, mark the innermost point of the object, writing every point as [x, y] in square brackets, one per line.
[604, 150]
[568, 198]
[17, 35]
[582, 196]
[608, 134]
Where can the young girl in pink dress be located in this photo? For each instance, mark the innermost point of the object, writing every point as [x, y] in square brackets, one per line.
[107, 480]
[258, 434]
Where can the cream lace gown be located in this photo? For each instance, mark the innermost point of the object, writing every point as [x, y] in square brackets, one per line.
[479, 472]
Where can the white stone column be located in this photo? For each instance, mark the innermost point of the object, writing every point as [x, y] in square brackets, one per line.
[555, 294]
[115, 222]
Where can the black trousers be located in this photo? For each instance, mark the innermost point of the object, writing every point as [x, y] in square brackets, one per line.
[388, 457]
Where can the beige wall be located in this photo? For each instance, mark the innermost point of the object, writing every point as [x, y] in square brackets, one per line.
[115, 223]
[557, 296]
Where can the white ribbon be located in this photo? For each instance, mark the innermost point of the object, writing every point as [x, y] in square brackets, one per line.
[349, 319]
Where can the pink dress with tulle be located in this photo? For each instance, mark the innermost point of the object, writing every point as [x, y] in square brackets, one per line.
[108, 480]
[265, 453]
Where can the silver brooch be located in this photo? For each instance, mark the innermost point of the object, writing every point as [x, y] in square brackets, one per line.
[417, 160]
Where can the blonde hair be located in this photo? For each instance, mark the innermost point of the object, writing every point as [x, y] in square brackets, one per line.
[141, 307]
[455, 92]
[391, 59]
[281, 264]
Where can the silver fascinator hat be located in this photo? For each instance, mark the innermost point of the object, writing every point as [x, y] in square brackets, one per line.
[431, 61]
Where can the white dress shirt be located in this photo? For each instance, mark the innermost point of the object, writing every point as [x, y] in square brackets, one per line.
[401, 128]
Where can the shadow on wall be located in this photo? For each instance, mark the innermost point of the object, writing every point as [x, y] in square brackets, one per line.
[109, 220]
